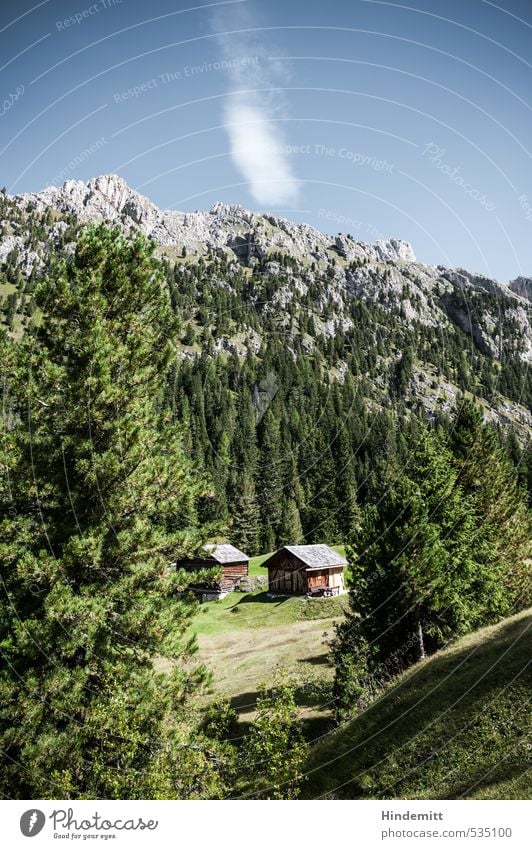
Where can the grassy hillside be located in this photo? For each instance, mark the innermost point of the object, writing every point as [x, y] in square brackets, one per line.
[456, 726]
[244, 638]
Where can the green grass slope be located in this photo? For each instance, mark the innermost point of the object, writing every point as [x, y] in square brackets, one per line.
[245, 638]
[455, 726]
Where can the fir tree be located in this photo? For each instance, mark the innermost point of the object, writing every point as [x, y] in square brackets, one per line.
[419, 573]
[270, 480]
[491, 481]
[245, 529]
[274, 751]
[291, 531]
[97, 499]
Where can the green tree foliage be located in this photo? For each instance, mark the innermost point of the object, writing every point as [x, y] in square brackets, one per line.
[304, 435]
[274, 751]
[297, 425]
[491, 481]
[291, 532]
[435, 557]
[96, 498]
[245, 529]
[270, 478]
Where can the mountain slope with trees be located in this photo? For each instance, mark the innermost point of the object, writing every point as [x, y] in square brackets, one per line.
[442, 550]
[302, 359]
[96, 497]
[246, 385]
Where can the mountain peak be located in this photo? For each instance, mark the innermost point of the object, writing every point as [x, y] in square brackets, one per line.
[384, 273]
[522, 286]
[228, 227]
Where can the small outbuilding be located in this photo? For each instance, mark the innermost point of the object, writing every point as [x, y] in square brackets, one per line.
[233, 564]
[313, 570]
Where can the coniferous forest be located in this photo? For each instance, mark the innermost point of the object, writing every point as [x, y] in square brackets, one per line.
[151, 405]
[265, 422]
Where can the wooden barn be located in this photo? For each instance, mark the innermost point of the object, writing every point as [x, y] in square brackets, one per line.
[314, 570]
[234, 565]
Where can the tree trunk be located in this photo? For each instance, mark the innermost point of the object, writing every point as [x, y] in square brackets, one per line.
[421, 643]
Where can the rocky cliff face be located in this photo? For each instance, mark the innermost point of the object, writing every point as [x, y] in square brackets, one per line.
[306, 274]
[522, 286]
[223, 227]
[385, 272]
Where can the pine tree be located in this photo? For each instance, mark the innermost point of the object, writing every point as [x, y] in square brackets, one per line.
[270, 480]
[503, 519]
[321, 508]
[291, 531]
[97, 498]
[245, 529]
[348, 516]
[419, 573]
[274, 752]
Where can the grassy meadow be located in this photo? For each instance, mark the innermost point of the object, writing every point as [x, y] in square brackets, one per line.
[245, 638]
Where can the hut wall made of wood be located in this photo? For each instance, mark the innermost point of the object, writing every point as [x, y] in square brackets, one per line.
[232, 573]
[287, 575]
[318, 578]
[336, 577]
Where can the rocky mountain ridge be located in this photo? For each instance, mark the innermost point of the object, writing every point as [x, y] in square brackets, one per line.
[303, 271]
[223, 227]
[386, 271]
[522, 286]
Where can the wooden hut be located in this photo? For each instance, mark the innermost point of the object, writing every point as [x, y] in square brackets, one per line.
[234, 566]
[311, 570]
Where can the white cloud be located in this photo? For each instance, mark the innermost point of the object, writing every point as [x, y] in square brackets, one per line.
[254, 104]
[257, 151]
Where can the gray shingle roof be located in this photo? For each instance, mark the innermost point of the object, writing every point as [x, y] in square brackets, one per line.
[225, 553]
[316, 556]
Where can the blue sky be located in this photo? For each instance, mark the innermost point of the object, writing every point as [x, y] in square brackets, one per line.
[381, 119]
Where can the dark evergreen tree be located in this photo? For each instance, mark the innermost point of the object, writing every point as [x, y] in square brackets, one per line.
[419, 571]
[503, 521]
[96, 499]
[245, 528]
[270, 480]
[348, 516]
[291, 530]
